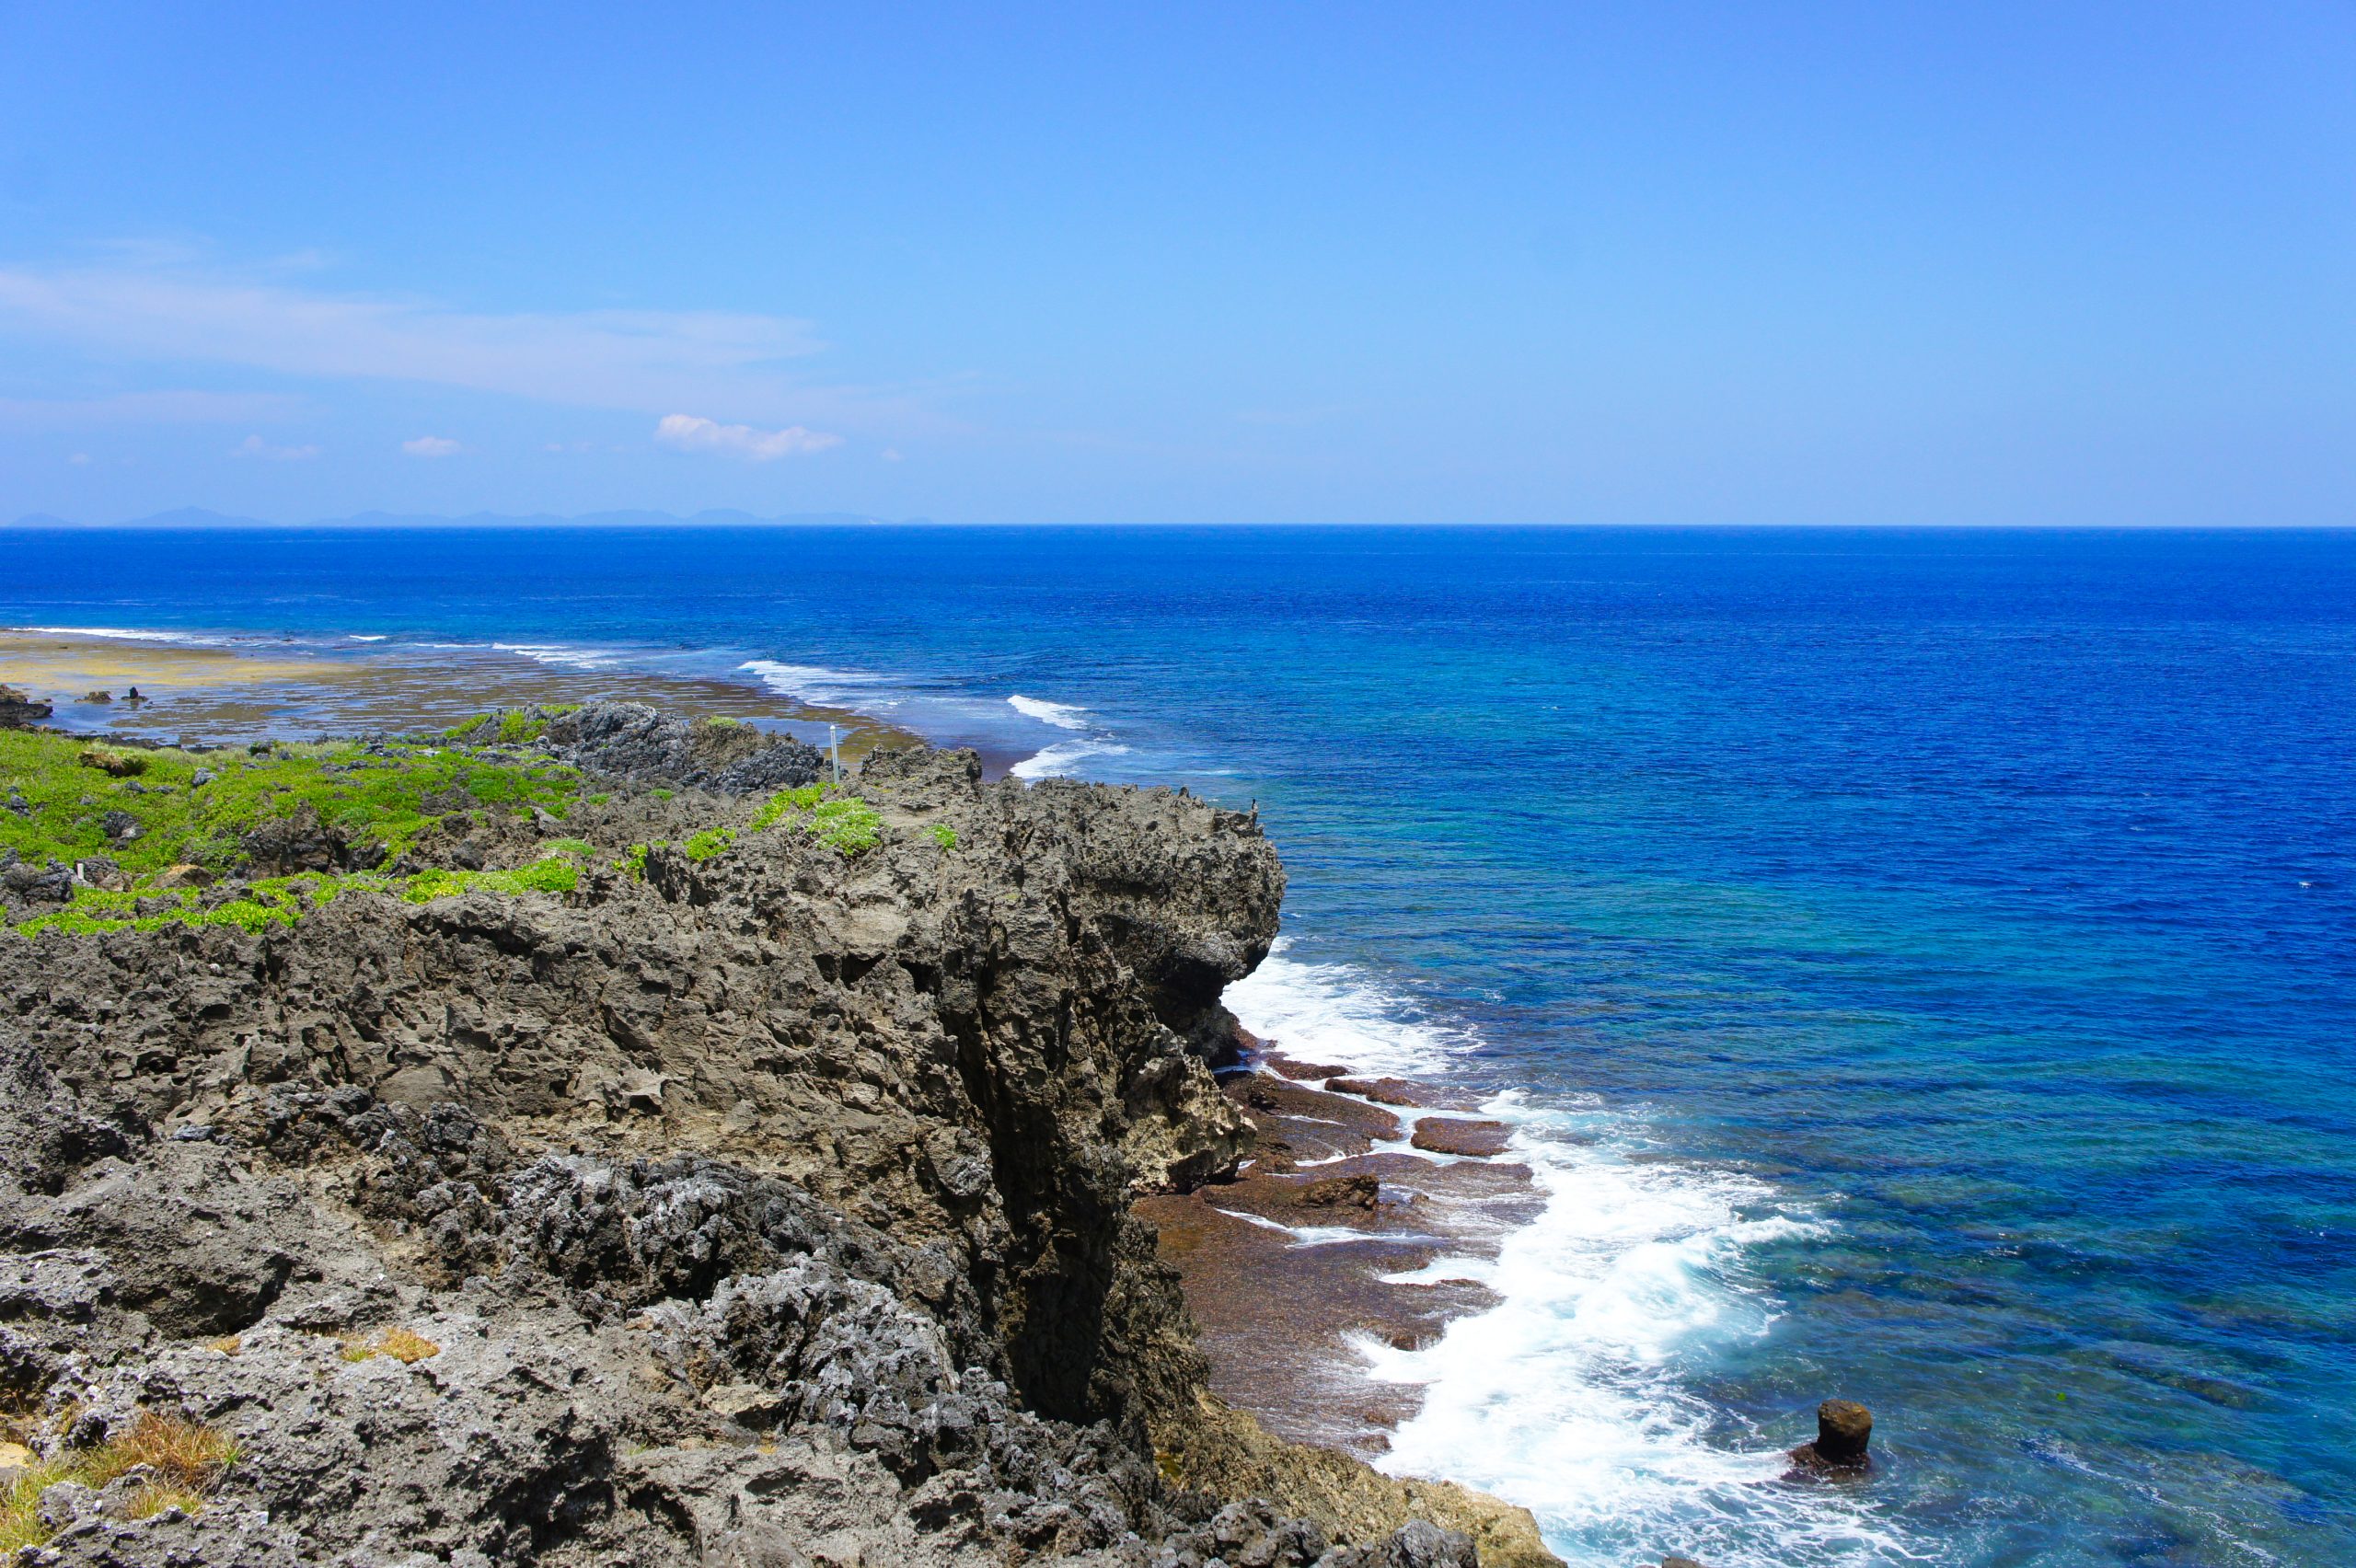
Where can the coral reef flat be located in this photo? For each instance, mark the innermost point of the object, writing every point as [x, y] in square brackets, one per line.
[243, 688]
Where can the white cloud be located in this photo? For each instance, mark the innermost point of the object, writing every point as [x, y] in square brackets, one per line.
[79, 460]
[255, 446]
[431, 447]
[645, 361]
[689, 432]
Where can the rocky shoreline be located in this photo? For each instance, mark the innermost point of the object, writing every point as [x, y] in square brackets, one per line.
[763, 1178]
[1354, 1189]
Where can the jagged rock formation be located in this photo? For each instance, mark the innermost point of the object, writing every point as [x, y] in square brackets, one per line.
[630, 740]
[769, 1207]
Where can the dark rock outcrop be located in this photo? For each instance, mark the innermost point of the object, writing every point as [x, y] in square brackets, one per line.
[301, 842]
[773, 1208]
[19, 711]
[1844, 1429]
[1448, 1135]
[630, 740]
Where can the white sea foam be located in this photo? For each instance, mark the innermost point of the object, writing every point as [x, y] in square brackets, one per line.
[1330, 1012]
[1062, 715]
[366, 636]
[1572, 1395]
[562, 655]
[1326, 1235]
[816, 683]
[125, 633]
[1064, 757]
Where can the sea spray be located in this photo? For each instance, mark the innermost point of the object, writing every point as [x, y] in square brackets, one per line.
[1064, 758]
[1573, 1395]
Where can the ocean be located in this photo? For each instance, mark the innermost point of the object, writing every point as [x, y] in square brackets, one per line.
[1920, 965]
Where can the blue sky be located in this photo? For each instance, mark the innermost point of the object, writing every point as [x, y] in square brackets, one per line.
[2045, 263]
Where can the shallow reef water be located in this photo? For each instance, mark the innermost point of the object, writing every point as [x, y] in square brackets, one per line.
[1921, 965]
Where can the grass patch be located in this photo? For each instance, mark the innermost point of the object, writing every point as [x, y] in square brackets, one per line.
[784, 803]
[943, 834]
[386, 798]
[282, 901]
[158, 1497]
[845, 824]
[196, 808]
[188, 1461]
[711, 842]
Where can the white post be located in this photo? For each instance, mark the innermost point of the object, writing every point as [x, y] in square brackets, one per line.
[835, 750]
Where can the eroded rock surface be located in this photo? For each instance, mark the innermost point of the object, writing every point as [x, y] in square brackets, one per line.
[769, 1207]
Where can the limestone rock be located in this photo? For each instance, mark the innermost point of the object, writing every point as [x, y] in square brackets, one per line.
[771, 1208]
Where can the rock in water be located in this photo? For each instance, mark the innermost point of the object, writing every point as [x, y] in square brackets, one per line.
[19, 711]
[1448, 1134]
[1844, 1428]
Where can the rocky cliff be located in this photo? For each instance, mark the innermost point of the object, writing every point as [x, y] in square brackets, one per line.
[763, 1198]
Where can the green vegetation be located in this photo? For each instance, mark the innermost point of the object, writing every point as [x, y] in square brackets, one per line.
[188, 1460]
[512, 726]
[943, 834]
[845, 824]
[774, 809]
[164, 817]
[849, 826]
[157, 813]
[281, 900]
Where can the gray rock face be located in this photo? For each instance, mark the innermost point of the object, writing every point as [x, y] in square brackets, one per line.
[630, 740]
[301, 842]
[769, 1210]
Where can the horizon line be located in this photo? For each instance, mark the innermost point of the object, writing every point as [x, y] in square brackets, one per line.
[195, 520]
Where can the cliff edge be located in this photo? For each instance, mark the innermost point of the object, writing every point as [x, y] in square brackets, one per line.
[630, 1173]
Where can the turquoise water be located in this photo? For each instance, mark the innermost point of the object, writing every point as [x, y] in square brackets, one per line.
[1928, 958]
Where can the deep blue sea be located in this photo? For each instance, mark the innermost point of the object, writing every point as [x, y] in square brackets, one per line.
[1926, 960]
